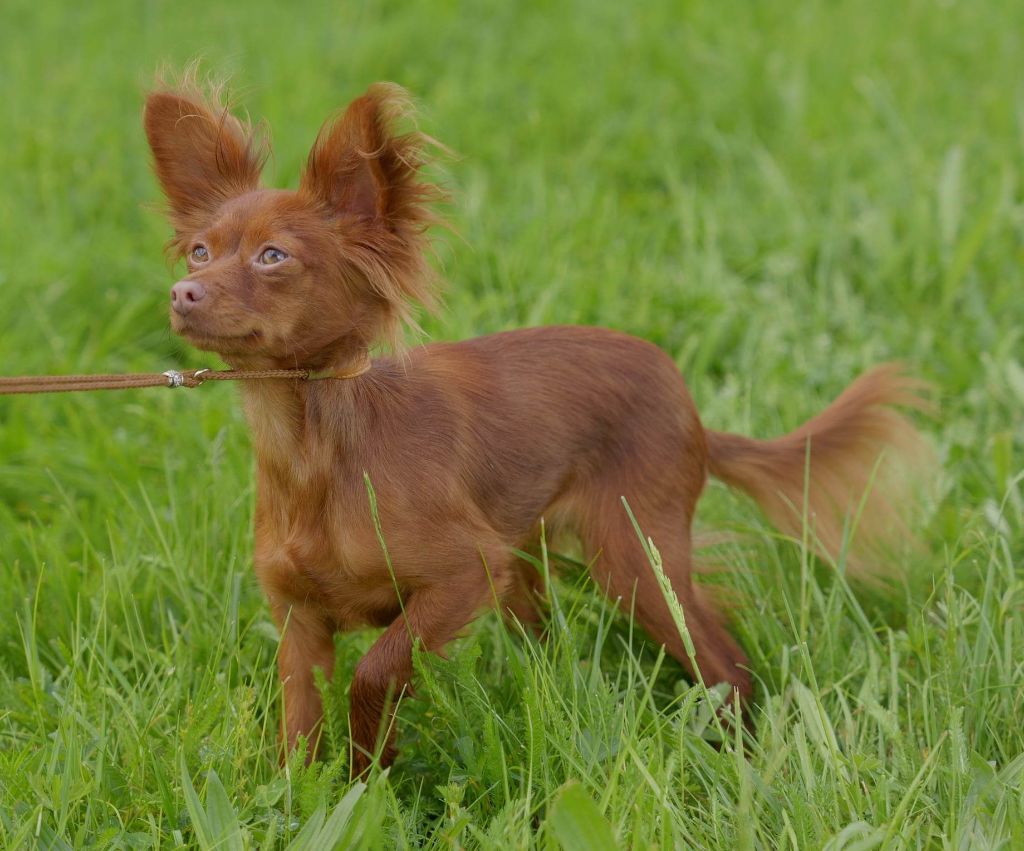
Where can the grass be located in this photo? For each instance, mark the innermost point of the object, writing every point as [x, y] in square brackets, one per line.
[779, 195]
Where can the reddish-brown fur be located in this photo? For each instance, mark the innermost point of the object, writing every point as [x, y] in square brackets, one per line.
[468, 445]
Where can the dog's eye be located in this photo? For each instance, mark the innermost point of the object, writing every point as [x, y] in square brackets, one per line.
[270, 256]
[199, 254]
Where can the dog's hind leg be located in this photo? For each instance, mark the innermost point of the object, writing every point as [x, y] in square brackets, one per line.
[525, 598]
[624, 572]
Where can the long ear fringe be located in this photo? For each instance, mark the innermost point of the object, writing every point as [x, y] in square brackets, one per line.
[391, 250]
[211, 90]
[246, 145]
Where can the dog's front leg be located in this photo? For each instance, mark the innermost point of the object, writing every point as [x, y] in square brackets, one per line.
[432, 616]
[307, 642]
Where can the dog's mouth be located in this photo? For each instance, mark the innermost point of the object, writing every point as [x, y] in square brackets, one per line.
[213, 341]
[220, 341]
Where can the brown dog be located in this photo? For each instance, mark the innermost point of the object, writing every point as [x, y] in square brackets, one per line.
[468, 445]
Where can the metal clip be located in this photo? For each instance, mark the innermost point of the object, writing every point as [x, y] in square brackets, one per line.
[174, 378]
[180, 379]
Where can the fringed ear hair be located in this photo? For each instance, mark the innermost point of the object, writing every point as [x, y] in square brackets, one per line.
[202, 154]
[367, 176]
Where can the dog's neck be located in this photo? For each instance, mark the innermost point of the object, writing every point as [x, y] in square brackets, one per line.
[294, 420]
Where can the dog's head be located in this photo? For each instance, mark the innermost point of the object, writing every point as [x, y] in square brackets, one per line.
[293, 278]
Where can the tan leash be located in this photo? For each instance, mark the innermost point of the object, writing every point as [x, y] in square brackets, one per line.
[172, 378]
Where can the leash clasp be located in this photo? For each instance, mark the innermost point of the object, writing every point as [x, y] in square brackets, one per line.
[176, 378]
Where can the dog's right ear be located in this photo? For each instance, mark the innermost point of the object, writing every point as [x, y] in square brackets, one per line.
[202, 155]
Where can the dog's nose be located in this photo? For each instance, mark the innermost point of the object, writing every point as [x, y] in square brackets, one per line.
[185, 295]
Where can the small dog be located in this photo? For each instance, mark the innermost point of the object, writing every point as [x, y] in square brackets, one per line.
[468, 445]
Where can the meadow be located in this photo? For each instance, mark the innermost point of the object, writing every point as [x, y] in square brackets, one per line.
[779, 195]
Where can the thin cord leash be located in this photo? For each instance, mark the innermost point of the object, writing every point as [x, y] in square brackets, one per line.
[172, 378]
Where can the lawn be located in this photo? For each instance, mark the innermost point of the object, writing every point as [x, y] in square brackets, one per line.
[779, 195]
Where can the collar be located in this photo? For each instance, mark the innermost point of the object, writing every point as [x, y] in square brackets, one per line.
[361, 366]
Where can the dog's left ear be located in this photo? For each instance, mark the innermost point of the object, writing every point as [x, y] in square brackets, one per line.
[366, 176]
[360, 167]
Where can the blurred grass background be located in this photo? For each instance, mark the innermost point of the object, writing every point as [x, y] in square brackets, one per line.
[779, 195]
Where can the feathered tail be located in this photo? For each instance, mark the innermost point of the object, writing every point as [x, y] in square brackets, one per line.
[850, 462]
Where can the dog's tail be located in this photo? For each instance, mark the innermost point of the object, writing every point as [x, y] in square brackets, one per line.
[843, 472]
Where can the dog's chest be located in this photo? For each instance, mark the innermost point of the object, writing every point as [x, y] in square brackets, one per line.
[316, 546]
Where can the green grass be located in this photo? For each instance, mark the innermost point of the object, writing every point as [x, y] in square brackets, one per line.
[779, 195]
